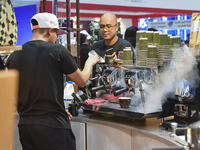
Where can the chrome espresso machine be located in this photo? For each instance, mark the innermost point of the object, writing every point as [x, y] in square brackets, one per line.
[110, 81]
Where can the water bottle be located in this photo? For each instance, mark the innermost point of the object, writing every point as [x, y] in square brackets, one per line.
[69, 89]
[68, 98]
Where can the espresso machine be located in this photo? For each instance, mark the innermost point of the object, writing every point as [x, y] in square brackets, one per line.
[110, 82]
[183, 103]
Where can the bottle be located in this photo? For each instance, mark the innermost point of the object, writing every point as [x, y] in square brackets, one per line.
[69, 89]
[68, 98]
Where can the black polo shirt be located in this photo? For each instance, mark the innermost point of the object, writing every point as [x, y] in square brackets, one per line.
[100, 47]
[41, 66]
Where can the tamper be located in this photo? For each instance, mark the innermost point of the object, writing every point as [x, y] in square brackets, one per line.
[174, 126]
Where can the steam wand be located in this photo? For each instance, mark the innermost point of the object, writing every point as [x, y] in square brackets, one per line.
[142, 94]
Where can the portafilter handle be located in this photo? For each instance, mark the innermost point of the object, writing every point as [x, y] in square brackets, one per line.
[118, 92]
[95, 89]
[174, 126]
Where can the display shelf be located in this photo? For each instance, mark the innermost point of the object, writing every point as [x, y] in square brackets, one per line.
[10, 48]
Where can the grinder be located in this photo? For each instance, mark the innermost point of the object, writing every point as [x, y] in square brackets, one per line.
[184, 105]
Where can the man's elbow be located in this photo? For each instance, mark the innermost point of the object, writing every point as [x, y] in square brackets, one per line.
[82, 84]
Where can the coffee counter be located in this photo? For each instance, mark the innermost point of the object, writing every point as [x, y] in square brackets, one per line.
[94, 131]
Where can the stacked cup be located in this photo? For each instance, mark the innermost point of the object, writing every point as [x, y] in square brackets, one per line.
[140, 34]
[127, 56]
[152, 57]
[169, 35]
[163, 48]
[149, 35]
[156, 38]
[142, 52]
[175, 46]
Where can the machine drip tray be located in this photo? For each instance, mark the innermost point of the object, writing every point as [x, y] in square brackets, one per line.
[115, 109]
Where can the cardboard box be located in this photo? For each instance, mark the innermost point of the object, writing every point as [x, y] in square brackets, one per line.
[195, 33]
[9, 98]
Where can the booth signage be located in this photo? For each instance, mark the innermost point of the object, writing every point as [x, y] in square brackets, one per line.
[175, 24]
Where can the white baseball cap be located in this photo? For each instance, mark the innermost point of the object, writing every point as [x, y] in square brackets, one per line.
[44, 20]
[86, 33]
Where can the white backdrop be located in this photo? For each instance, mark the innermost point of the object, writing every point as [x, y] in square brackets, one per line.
[170, 4]
[125, 23]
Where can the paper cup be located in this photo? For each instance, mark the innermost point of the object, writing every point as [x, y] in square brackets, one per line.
[163, 39]
[152, 52]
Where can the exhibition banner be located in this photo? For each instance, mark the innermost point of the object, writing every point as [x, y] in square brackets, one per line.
[174, 24]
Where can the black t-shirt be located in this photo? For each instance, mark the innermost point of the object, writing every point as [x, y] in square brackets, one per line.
[100, 47]
[85, 48]
[41, 66]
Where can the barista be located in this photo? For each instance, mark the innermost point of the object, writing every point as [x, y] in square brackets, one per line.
[109, 28]
[44, 122]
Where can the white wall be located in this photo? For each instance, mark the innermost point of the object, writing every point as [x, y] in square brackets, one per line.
[125, 23]
[170, 4]
[19, 3]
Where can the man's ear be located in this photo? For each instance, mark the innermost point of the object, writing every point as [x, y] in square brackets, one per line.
[49, 30]
[117, 27]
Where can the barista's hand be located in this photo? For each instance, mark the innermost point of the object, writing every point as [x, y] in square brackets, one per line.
[95, 108]
[114, 56]
[92, 60]
[69, 115]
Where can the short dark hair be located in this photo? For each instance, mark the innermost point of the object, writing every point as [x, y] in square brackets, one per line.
[82, 38]
[130, 35]
[152, 29]
[34, 22]
[40, 30]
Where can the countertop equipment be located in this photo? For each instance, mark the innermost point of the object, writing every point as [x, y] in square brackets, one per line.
[111, 80]
[185, 103]
[189, 136]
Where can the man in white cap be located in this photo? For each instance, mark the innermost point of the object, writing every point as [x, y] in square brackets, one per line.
[44, 122]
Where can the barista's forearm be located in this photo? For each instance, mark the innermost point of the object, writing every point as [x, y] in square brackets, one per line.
[81, 77]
